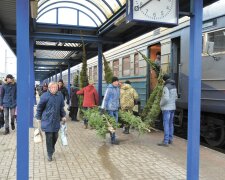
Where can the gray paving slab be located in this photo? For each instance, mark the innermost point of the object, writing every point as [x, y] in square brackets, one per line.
[90, 157]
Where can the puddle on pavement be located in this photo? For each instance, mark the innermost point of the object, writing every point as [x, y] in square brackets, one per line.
[103, 152]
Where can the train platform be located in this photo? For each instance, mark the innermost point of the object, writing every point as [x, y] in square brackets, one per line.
[90, 157]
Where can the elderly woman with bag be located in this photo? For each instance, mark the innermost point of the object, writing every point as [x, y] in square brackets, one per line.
[50, 111]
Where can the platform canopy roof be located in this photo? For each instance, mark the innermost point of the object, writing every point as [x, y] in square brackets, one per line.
[58, 28]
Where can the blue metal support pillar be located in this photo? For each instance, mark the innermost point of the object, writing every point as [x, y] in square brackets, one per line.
[100, 72]
[194, 102]
[68, 85]
[60, 77]
[31, 83]
[23, 58]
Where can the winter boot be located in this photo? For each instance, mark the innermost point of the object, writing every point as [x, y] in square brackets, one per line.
[85, 123]
[127, 130]
[12, 126]
[6, 131]
[113, 138]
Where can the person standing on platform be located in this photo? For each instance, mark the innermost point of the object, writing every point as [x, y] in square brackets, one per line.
[168, 107]
[43, 89]
[90, 98]
[158, 63]
[8, 102]
[128, 96]
[64, 91]
[73, 103]
[111, 103]
[50, 111]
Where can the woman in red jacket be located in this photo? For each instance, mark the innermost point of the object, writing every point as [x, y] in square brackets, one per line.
[90, 98]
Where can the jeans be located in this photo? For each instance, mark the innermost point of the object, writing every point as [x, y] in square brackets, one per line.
[113, 114]
[51, 139]
[6, 116]
[168, 116]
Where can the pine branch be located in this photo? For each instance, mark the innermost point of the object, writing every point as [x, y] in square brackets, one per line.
[108, 71]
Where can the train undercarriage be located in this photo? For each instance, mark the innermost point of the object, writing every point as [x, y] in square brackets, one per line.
[212, 126]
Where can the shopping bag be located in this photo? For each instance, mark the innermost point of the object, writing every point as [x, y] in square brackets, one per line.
[37, 136]
[37, 133]
[63, 133]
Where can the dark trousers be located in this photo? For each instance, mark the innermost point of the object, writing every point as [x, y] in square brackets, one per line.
[73, 111]
[51, 139]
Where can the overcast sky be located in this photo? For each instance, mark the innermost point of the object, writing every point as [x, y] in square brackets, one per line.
[7, 59]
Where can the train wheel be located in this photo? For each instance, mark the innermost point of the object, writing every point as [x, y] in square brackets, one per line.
[217, 136]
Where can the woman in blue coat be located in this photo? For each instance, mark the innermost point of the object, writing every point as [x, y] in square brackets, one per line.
[50, 111]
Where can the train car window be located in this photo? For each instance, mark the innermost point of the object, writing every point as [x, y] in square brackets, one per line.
[95, 74]
[90, 73]
[116, 68]
[218, 37]
[136, 64]
[126, 66]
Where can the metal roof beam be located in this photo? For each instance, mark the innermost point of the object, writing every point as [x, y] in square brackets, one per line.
[111, 22]
[63, 48]
[8, 33]
[45, 69]
[58, 26]
[39, 36]
[56, 60]
[50, 60]
[45, 65]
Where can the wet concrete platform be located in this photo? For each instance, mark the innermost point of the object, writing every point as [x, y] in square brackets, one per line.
[90, 157]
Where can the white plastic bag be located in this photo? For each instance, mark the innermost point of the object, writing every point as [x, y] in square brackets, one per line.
[63, 130]
[37, 133]
[37, 136]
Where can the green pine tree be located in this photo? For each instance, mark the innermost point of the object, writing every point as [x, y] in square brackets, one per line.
[83, 72]
[75, 80]
[152, 109]
[108, 71]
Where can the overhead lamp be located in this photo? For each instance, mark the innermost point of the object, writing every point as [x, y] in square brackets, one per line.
[34, 8]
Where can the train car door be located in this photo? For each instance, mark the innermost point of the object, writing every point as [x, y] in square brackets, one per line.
[175, 62]
[153, 50]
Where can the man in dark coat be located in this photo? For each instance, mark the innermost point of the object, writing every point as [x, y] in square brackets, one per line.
[73, 103]
[168, 107]
[8, 102]
[64, 91]
[50, 111]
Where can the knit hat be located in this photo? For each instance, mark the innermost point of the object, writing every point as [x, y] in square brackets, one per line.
[10, 76]
[60, 81]
[91, 81]
[127, 82]
[114, 79]
[165, 77]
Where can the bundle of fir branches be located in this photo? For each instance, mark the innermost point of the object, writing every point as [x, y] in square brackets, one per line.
[152, 109]
[107, 70]
[103, 123]
[134, 121]
[75, 80]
